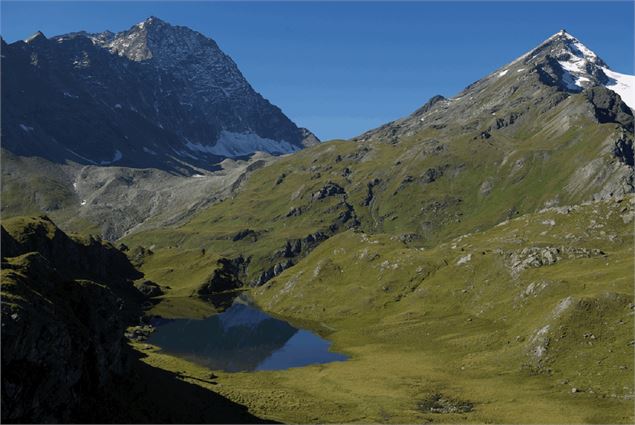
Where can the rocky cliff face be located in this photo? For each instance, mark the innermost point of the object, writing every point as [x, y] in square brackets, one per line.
[156, 95]
[65, 306]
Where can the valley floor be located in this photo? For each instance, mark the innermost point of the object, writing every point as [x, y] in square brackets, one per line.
[528, 322]
[387, 384]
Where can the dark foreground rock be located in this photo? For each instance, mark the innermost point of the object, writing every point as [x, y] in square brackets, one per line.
[66, 304]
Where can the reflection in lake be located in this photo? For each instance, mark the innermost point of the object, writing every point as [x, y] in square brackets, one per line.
[242, 338]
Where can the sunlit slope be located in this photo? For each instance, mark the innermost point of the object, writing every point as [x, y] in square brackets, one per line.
[426, 187]
[530, 321]
[547, 294]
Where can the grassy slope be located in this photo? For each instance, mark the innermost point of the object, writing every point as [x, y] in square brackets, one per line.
[188, 268]
[535, 167]
[418, 323]
[415, 322]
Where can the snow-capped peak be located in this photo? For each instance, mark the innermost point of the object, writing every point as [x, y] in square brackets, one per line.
[577, 62]
[580, 66]
[583, 68]
[562, 34]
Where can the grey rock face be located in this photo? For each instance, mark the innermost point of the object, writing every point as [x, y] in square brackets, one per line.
[609, 107]
[534, 257]
[329, 189]
[156, 95]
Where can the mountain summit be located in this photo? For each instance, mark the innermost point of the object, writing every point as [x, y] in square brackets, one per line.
[558, 68]
[581, 67]
[156, 95]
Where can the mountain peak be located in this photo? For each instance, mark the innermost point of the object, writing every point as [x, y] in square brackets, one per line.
[169, 88]
[39, 35]
[564, 44]
[152, 21]
[562, 34]
[563, 60]
[156, 39]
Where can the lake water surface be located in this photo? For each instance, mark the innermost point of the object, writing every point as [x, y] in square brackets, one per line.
[242, 338]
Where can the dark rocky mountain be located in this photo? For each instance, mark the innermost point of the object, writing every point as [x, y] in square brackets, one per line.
[156, 95]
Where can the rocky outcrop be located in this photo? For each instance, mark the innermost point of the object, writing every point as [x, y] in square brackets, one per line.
[149, 288]
[90, 258]
[439, 403]
[429, 105]
[608, 107]
[329, 189]
[65, 306]
[290, 254]
[225, 277]
[370, 194]
[533, 257]
[624, 151]
[245, 234]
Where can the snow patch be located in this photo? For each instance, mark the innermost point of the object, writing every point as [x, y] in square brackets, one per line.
[231, 145]
[184, 153]
[571, 81]
[502, 73]
[576, 66]
[82, 157]
[83, 202]
[116, 157]
[150, 151]
[622, 84]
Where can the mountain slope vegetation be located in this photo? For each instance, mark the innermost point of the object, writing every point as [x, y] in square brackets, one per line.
[527, 322]
[474, 258]
[443, 172]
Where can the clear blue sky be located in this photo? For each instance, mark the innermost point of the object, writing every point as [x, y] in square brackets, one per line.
[343, 68]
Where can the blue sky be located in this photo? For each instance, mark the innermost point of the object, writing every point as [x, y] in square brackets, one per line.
[342, 68]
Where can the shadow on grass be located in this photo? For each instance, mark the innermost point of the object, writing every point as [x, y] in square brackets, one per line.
[152, 395]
